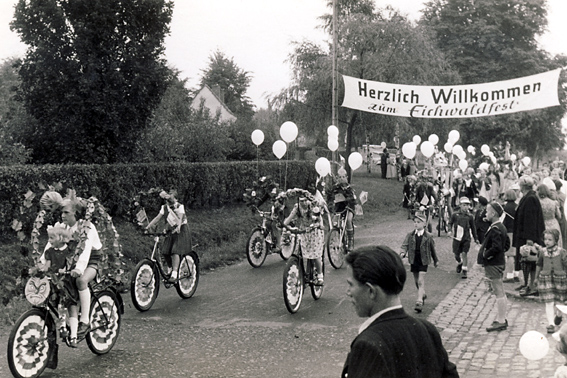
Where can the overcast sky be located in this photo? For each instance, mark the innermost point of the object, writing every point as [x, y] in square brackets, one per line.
[257, 35]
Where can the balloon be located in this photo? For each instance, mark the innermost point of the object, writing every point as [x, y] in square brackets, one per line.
[279, 148]
[470, 149]
[427, 149]
[491, 154]
[409, 149]
[457, 149]
[355, 160]
[462, 155]
[434, 139]
[448, 147]
[485, 149]
[526, 160]
[484, 166]
[416, 139]
[333, 131]
[383, 144]
[534, 345]
[463, 164]
[288, 131]
[513, 157]
[454, 136]
[333, 144]
[257, 137]
[323, 166]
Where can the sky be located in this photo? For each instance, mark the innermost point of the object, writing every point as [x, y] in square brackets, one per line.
[257, 35]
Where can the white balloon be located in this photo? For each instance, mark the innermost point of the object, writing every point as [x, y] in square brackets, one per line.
[457, 149]
[288, 131]
[434, 139]
[333, 131]
[323, 166]
[257, 137]
[355, 160]
[383, 144]
[513, 157]
[416, 139]
[427, 149]
[454, 136]
[526, 160]
[484, 166]
[448, 147]
[485, 149]
[462, 155]
[491, 154]
[470, 149]
[463, 164]
[409, 149]
[534, 345]
[279, 148]
[333, 144]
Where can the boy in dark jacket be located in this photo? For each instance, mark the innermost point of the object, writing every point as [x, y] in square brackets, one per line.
[462, 224]
[492, 256]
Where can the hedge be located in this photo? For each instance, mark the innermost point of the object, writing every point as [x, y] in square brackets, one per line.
[199, 185]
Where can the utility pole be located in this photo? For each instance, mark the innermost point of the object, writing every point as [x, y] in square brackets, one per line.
[334, 115]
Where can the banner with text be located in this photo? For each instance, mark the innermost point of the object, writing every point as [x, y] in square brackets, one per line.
[453, 101]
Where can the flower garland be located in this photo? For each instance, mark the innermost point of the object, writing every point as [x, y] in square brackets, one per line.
[262, 190]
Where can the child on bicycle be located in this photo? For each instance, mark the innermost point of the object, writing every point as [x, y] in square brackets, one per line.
[345, 200]
[178, 242]
[56, 259]
[307, 217]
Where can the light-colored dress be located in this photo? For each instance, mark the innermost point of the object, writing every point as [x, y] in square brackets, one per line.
[312, 243]
[391, 171]
[551, 214]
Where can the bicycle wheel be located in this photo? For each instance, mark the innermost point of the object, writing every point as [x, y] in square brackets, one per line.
[144, 287]
[256, 248]
[288, 247]
[29, 348]
[105, 323]
[188, 275]
[317, 290]
[336, 249]
[293, 284]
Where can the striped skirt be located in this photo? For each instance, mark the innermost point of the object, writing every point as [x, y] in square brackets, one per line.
[552, 288]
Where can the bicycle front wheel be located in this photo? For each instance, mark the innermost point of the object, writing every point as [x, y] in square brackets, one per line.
[316, 290]
[144, 287]
[256, 248]
[188, 275]
[293, 284]
[29, 349]
[105, 323]
[336, 249]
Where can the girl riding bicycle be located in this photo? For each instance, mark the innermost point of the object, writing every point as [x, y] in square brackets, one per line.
[305, 216]
[345, 200]
[178, 242]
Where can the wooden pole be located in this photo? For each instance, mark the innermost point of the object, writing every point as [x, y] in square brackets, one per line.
[334, 116]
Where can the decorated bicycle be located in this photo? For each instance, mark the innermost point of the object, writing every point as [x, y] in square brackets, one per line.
[172, 260]
[52, 281]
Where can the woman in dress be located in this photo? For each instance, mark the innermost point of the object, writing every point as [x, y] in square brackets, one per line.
[550, 209]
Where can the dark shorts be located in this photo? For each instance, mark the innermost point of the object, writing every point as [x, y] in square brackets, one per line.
[494, 271]
[462, 246]
[418, 268]
[95, 260]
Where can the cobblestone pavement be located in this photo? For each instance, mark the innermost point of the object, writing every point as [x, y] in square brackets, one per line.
[462, 318]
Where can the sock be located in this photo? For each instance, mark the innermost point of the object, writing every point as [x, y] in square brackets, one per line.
[465, 268]
[509, 276]
[85, 299]
[501, 304]
[516, 273]
[550, 312]
[174, 274]
[73, 325]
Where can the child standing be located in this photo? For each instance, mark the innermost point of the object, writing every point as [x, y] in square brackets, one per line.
[461, 225]
[419, 247]
[56, 259]
[552, 279]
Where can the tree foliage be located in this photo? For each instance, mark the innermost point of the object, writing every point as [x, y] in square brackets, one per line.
[92, 75]
[491, 40]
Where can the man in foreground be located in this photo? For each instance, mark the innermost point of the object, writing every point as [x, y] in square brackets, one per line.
[390, 343]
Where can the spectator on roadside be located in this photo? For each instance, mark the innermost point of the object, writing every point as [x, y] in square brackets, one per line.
[550, 207]
[389, 343]
[528, 229]
[484, 184]
[391, 169]
[384, 162]
[405, 169]
[511, 275]
[560, 198]
[491, 256]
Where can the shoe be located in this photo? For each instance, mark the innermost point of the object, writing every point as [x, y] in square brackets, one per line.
[521, 287]
[497, 326]
[509, 280]
[83, 330]
[418, 306]
[464, 274]
[550, 328]
[72, 343]
[319, 282]
[528, 292]
[558, 319]
[459, 267]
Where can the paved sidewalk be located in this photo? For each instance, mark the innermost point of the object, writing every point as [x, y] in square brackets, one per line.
[462, 318]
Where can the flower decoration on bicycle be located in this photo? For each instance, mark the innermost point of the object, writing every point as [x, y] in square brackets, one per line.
[262, 190]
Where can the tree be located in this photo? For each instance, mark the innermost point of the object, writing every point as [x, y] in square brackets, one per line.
[233, 82]
[92, 75]
[491, 40]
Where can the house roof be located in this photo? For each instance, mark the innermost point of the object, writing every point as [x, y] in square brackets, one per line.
[207, 93]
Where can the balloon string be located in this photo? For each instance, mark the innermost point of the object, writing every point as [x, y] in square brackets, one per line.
[285, 177]
[257, 163]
